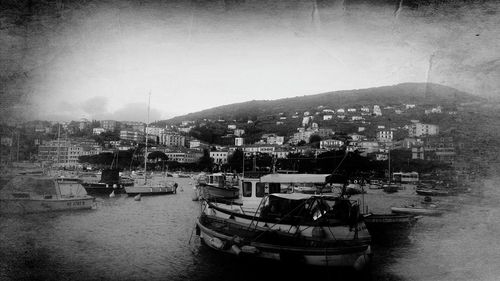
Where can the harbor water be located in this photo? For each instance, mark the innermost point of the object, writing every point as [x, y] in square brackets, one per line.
[154, 239]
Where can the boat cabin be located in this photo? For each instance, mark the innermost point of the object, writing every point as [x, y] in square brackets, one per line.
[254, 189]
[219, 179]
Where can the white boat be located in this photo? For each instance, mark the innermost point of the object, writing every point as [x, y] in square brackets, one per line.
[153, 185]
[321, 230]
[218, 186]
[29, 194]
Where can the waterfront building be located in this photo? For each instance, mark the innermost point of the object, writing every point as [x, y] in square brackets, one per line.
[186, 156]
[220, 157]
[66, 152]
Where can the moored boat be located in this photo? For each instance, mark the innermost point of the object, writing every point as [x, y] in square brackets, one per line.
[28, 194]
[432, 192]
[389, 226]
[155, 185]
[321, 230]
[417, 211]
[110, 181]
[218, 186]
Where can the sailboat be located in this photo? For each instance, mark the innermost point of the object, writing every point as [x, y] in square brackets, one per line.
[155, 184]
[390, 187]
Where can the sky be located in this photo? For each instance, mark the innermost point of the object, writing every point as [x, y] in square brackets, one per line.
[67, 60]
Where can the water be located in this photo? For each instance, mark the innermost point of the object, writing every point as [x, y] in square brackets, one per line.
[153, 239]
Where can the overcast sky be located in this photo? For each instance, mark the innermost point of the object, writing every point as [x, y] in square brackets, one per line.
[100, 59]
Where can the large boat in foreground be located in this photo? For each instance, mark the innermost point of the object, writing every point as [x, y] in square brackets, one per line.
[32, 194]
[321, 230]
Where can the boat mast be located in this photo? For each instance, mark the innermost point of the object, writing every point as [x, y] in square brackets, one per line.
[146, 148]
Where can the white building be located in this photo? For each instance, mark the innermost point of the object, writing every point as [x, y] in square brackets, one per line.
[219, 157]
[98, 131]
[385, 136]
[155, 131]
[420, 129]
[239, 132]
[377, 111]
[239, 141]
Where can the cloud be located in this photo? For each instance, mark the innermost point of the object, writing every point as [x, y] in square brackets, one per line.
[136, 112]
[95, 106]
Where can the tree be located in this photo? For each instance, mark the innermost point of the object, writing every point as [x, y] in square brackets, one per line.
[157, 156]
[314, 141]
[235, 160]
[206, 163]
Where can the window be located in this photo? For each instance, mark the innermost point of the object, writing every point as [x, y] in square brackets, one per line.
[260, 189]
[274, 188]
[247, 189]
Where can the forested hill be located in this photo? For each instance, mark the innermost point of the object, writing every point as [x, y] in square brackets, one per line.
[406, 93]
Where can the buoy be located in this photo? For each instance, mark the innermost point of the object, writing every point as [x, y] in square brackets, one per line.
[112, 194]
[137, 197]
[236, 249]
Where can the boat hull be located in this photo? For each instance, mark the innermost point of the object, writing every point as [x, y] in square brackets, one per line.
[215, 192]
[21, 206]
[356, 256]
[389, 226]
[416, 211]
[98, 188]
[149, 191]
[431, 192]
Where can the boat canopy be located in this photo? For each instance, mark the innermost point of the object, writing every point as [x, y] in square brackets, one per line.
[295, 178]
[36, 185]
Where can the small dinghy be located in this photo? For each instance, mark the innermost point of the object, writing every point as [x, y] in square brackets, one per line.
[137, 197]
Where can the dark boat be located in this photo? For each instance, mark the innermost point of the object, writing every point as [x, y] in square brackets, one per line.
[110, 181]
[384, 227]
[432, 192]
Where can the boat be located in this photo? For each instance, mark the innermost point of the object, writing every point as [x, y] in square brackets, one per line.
[110, 181]
[310, 229]
[416, 211]
[33, 194]
[432, 192]
[218, 186]
[154, 184]
[389, 226]
[391, 187]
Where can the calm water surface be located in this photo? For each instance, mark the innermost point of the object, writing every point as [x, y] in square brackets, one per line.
[154, 239]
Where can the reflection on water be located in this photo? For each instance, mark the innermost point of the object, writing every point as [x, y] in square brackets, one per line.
[153, 239]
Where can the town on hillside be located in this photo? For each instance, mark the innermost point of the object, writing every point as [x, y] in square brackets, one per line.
[413, 135]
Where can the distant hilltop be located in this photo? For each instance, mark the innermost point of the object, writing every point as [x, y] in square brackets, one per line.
[405, 93]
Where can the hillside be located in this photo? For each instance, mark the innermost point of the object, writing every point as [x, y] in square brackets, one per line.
[406, 93]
